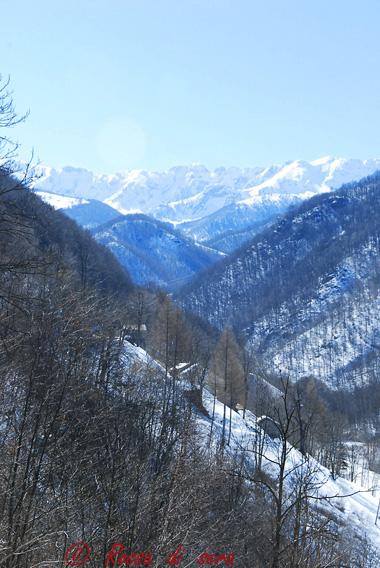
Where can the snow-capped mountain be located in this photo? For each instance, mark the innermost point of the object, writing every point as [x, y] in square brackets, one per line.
[306, 290]
[222, 209]
[187, 193]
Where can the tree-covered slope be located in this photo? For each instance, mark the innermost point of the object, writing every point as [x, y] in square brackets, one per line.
[153, 252]
[305, 291]
[52, 235]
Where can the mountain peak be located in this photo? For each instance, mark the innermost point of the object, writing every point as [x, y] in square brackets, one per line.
[193, 191]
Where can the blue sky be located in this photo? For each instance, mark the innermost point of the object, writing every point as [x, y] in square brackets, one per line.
[119, 84]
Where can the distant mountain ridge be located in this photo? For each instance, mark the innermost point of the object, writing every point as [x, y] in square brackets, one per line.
[192, 192]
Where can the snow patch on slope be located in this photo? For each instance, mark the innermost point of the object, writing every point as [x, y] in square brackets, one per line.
[352, 503]
[60, 201]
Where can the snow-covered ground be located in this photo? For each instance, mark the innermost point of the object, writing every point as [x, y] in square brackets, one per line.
[361, 460]
[328, 346]
[355, 504]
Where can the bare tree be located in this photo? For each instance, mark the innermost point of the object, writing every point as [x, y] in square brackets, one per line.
[227, 378]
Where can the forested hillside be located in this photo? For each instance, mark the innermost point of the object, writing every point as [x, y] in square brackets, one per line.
[95, 445]
[305, 291]
[229, 227]
[153, 252]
